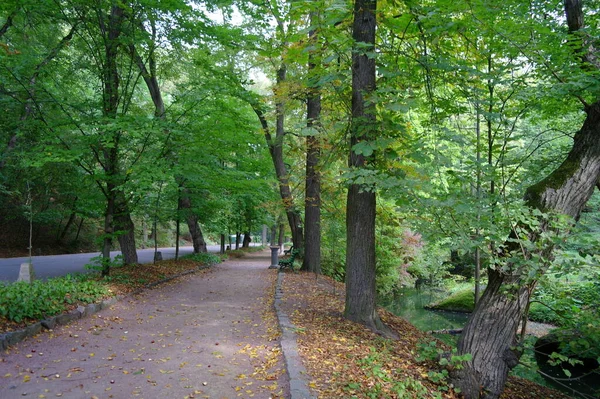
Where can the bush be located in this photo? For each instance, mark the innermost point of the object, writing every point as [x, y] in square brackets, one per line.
[204, 258]
[21, 301]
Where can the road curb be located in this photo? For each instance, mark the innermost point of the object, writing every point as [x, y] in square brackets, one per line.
[14, 337]
[289, 347]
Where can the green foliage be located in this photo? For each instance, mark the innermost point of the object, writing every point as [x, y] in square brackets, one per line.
[204, 258]
[428, 351]
[22, 301]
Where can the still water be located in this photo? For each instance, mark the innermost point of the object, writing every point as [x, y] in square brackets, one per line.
[409, 304]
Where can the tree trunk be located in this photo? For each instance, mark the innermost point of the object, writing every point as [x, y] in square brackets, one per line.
[361, 203]
[491, 330]
[185, 205]
[125, 229]
[108, 230]
[281, 237]
[312, 202]
[276, 151]
[222, 243]
[247, 239]
[238, 237]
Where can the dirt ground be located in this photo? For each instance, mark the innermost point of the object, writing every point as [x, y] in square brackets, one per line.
[211, 334]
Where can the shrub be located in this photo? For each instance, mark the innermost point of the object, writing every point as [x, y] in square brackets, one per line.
[21, 301]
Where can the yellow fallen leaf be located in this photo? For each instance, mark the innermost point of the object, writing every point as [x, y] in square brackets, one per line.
[26, 378]
[7, 375]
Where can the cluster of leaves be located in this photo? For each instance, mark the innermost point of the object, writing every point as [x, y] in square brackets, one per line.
[379, 375]
[23, 301]
[429, 351]
[560, 303]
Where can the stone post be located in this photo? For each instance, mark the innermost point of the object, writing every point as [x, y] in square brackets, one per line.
[274, 257]
[26, 272]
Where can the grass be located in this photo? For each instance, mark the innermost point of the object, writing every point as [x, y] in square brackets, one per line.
[461, 301]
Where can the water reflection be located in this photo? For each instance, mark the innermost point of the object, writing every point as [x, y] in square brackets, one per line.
[409, 304]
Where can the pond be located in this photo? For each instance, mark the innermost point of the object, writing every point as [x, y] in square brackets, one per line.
[409, 304]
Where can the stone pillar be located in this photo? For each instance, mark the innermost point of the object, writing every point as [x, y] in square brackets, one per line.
[274, 257]
[26, 273]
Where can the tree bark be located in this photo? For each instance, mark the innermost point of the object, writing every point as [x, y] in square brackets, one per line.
[108, 229]
[192, 221]
[361, 202]
[247, 239]
[125, 230]
[312, 201]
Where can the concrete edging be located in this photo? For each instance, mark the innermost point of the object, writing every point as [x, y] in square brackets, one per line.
[289, 347]
[14, 337]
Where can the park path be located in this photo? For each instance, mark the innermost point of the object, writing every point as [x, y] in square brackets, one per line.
[212, 334]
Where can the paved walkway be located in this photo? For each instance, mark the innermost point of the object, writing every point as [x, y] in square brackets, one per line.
[211, 334]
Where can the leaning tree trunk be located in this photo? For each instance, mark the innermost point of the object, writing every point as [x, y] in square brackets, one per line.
[192, 221]
[276, 150]
[491, 332]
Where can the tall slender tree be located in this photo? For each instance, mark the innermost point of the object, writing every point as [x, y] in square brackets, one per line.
[312, 197]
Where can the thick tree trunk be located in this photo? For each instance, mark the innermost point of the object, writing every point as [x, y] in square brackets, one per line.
[312, 202]
[247, 239]
[125, 230]
[361, 203]
[491, 330]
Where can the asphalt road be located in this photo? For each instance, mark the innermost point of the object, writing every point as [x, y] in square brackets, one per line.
[60, 265]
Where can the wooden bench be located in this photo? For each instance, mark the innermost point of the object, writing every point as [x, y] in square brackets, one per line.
[288, 263]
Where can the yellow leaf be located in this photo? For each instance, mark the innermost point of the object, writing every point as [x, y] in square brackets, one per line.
[7, 375]
[92, 354]
[26, 378]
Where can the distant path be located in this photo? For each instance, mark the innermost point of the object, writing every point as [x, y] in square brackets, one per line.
[61, 265]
